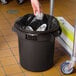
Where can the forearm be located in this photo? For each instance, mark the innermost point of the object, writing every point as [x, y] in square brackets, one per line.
[36, 6]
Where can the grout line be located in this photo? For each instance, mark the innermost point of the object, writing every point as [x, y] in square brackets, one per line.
[8, 48]
[12, 64]
[6, 56]
[7, 40]
[22, 70]
[5, 35]
[4, 70]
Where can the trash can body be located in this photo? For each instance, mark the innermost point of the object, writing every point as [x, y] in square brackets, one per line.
[36, 55]
[36, 48]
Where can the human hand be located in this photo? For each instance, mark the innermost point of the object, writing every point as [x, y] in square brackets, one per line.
[36, 6]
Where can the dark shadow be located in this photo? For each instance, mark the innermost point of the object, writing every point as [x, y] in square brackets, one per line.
[74, 70]
[59, 53]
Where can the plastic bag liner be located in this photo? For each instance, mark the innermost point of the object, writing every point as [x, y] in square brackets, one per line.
[36, 48]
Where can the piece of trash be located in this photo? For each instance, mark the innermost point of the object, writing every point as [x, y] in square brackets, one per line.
[29, 28]
[42, 27]
[39, 16]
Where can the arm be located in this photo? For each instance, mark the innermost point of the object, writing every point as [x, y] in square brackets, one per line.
[36, 6]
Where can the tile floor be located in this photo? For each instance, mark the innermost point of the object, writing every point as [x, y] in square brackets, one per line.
[9, 55]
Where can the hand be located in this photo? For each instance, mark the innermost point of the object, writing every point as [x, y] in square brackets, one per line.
[36, 6]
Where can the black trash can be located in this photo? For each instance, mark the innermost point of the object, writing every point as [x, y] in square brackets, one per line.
[36, 48]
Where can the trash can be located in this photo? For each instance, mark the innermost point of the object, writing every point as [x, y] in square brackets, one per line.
[36, 48]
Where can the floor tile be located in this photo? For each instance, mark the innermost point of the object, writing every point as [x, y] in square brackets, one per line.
[15, 51]
[23, 69]
[12, 69]
[18, 74]
[7, 32]
[4, 53]
[0, 34]
[8, 60]
[18, 59]
[73, 74]
[1, 17]
[13, 44]
[3, 21]
[5, 27]
[0, 64]
[11, 37]
[4, 45]
[52, 72]
[12, 21]
[28, 73]
[2, 72]
[2, 39]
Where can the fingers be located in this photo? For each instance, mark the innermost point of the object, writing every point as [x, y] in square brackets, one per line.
[37, 9]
